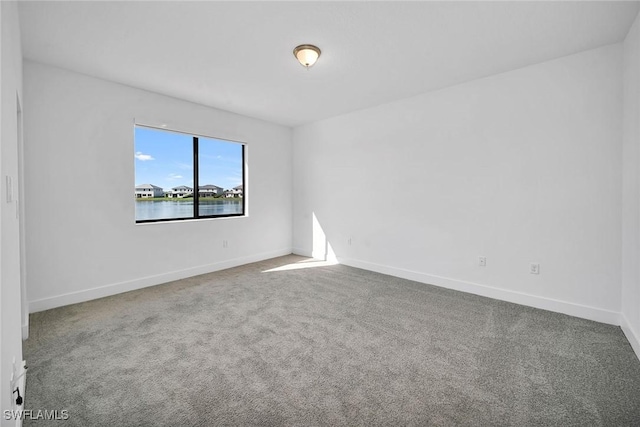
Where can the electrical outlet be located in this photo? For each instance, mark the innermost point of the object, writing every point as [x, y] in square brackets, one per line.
[349, 242]
[534, 268]
[482, 261]
[225, 243]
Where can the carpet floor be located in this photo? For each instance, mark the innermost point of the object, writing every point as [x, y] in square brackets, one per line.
[290, 341]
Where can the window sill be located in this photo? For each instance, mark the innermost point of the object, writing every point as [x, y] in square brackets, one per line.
[181, 221]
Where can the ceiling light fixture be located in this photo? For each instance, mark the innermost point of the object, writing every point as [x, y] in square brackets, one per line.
[307, 54]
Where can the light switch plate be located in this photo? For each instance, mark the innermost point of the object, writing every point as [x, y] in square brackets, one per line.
[9, 188]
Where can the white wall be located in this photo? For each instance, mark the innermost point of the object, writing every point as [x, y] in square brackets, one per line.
[10, 292]
[631, 189]
[519, 167]
[79, 138]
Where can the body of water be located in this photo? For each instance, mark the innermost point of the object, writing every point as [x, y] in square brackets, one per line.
[166, 209]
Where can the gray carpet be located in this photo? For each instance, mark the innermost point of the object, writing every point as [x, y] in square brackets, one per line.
[329, 345]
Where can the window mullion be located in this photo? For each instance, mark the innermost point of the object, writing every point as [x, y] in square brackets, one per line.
[196, 184]
[244, 186]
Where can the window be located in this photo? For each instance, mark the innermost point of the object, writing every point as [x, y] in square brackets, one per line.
[179, 163]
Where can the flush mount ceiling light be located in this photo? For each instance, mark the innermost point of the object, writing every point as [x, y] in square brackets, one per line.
[307, 54]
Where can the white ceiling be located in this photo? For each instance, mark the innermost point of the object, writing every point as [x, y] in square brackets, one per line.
[237, 56]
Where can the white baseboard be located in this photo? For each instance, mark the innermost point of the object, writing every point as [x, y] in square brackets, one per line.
[631, 334]
[577, 310]
[131, 285]
[302, 252]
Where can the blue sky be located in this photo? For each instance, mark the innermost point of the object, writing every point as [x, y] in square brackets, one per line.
[165, 159]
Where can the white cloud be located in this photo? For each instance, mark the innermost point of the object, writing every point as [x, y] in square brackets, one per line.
[174, 176]
[143, 157]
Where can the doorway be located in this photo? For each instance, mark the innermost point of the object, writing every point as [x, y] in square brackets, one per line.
[20, 214]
